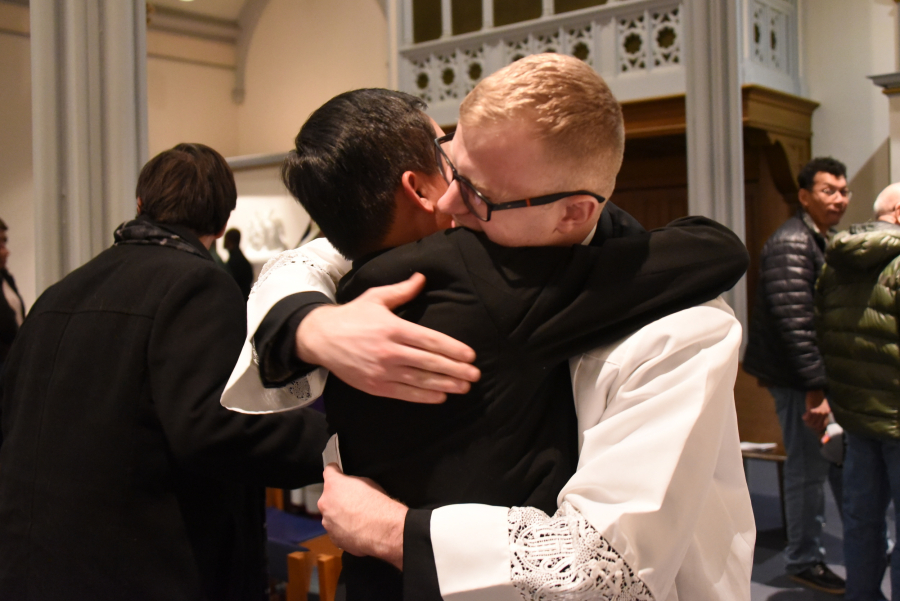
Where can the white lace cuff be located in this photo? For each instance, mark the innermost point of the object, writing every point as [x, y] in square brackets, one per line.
[313, 267]
[563, 557]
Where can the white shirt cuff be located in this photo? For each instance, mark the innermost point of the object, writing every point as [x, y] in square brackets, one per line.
[471, 553]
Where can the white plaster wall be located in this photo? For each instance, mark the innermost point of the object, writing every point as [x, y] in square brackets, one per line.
[895, 137]
[302, 53]
[16, 184]
[190, 103]
[265, 212]
[846, 40]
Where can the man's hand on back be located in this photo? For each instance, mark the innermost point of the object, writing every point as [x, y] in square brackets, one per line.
[368, 347]
[360, 518]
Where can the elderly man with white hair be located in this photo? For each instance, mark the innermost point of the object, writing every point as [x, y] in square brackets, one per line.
[857, 323]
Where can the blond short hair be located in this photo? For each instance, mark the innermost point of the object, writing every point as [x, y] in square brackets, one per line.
[568, 105]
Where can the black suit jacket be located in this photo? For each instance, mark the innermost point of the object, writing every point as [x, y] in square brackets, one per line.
[240, 270]
[510, 441]
[9, 327]
[122, 475]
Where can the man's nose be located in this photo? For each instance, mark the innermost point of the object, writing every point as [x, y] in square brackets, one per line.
[451, 202]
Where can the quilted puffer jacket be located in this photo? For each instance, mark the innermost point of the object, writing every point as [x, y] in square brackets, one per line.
[856, 315]
[782, 349]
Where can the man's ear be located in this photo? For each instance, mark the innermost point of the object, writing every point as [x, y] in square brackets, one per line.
[896, 214]
[415, 187]
[803, 196]
[579, 210]
[140, 206]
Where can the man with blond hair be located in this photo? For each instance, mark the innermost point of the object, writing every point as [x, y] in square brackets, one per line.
[488, 167]
[857, 316]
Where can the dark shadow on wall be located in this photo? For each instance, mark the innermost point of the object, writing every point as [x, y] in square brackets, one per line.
[871, 179]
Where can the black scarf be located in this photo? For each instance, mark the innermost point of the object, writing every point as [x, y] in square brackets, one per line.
[144, 231]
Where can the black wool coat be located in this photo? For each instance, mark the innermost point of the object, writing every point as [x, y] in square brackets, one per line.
[121, 475]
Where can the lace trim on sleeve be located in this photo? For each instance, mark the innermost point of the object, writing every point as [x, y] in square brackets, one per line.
[289, 257]
[298, 389]
[565, 558]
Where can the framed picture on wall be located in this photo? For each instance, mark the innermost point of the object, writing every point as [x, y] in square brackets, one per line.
[269, 218]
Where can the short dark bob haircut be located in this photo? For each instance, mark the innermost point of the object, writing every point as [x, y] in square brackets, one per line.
[189, 185]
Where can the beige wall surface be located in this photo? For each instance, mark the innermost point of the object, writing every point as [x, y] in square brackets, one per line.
[845, 41]
[16, 185]
[189, 102]
[304, 52]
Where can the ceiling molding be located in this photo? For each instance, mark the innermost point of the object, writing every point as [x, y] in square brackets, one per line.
[255, 161]
[170, 20]
[889, 82]
[247, 21]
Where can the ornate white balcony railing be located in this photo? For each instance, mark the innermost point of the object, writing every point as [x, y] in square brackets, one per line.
[771, 44]
[636, 45]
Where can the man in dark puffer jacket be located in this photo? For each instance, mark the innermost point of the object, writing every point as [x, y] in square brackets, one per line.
[782, 353]
[856, 311]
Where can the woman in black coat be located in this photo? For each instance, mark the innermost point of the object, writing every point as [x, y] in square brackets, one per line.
[122, 475]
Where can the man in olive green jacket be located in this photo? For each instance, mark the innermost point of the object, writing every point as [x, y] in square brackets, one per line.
[857, 321]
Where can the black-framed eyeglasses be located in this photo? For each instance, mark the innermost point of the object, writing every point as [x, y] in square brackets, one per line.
[477, 203]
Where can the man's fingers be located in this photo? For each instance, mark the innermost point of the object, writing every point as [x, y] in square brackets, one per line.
[428, 365]
[432, 341]
[414, 335]
[394, 295]
[412, 394]
[430, 380]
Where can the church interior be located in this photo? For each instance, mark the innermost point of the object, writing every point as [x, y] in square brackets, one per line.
[721, 113]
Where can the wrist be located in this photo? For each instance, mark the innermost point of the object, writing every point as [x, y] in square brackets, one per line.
[308, 335]
[388, 545]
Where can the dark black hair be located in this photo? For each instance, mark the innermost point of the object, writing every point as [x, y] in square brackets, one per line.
[233, 237]
[807, 175]
[190, 185]
[348, 161]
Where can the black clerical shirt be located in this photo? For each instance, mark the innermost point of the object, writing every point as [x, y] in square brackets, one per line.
[512, 439]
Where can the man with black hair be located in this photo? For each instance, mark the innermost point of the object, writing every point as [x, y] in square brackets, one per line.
[122, 476]
[782, 352]
[507, 442]
[238, 265]
[12, 307]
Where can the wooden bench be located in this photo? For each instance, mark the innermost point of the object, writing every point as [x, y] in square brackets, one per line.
[326, 557]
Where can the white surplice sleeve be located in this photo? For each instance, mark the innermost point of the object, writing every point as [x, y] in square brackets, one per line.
[314, 267]
[658, 507]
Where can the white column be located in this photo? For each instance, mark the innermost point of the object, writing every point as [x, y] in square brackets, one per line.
[487, 14]
[446, 19]
[394, 28]
[715, 149]
[547, 8]
[89, 103]
[894, 130]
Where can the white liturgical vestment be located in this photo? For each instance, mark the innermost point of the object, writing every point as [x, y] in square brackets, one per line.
[658, 508]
